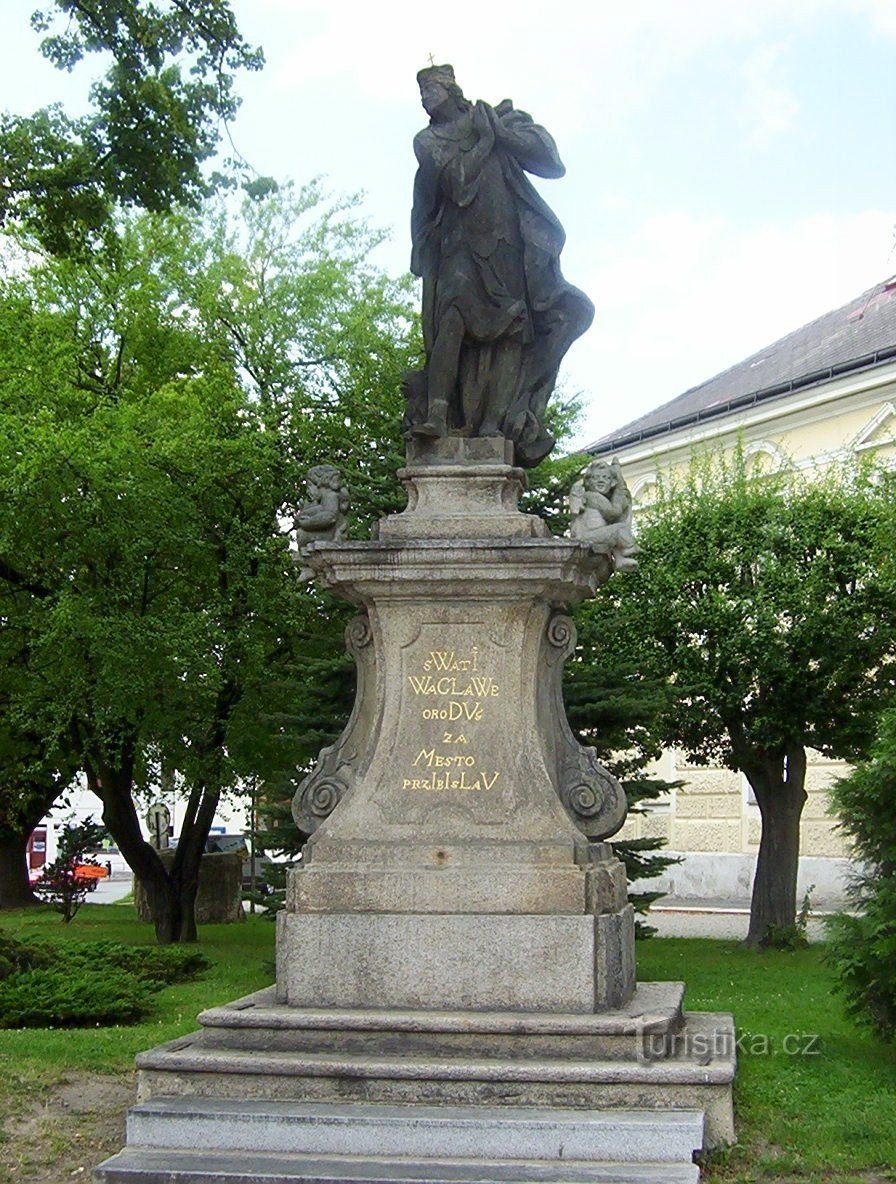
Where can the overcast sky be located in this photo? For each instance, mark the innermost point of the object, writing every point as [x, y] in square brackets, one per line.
[731, 166]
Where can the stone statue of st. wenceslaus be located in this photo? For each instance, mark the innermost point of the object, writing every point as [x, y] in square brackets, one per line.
[498, 315]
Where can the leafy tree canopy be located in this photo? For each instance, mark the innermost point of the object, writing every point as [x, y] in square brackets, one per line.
[159, 407]
[154, 119]
[767, 606]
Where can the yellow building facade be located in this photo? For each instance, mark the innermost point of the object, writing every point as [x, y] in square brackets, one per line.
[822, 395]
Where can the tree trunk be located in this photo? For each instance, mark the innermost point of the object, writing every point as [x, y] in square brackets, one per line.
[185, 872]
[778, 782]
[164, 904]
[171, 896]
[114, 789]
[15, 888]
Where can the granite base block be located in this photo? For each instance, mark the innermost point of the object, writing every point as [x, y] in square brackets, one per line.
[518, 888]
[140, 1165]
[417, 1132]
[483, 962]
[644, 1029]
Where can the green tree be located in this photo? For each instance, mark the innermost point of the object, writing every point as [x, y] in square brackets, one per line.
[618, 708]
[610, 703]
[154, 118]
[61, 885]
[30, 783]
[862, 945]
[149, 476]
[768, 606]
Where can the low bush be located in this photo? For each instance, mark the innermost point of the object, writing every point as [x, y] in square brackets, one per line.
[162, 965]
[17, 956]
[61, 999]
[86, 984]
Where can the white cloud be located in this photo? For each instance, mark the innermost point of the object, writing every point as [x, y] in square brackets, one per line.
[585, 60]
[769, 109]
[881, 14]
[683, 300]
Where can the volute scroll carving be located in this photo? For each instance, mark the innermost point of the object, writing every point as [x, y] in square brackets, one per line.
[338, 766]
[591, 796]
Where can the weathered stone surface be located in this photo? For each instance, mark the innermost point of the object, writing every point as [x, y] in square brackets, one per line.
[614, 957]
[461, 489]
[520, 888]
[644, 1028]
[140, 1165]
[483, 962]
[697, 1074]
[219, 900]
[457, 751]
[450, 866]
[424, 1132]
[460, 450]
[607, 891]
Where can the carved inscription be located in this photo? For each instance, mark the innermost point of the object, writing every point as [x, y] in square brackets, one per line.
[450, 688]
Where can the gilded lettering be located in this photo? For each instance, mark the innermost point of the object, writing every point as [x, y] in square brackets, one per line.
[439, 782]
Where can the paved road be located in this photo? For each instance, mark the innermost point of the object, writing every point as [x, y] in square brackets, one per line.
[108, 891]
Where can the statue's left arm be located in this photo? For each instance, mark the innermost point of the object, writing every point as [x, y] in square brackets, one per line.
[532, 147]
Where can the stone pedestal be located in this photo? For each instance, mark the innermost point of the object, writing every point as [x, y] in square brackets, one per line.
[219, 900]
[447, 866]
[456, 954]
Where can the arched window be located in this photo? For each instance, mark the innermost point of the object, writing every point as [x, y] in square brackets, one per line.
[762, 458]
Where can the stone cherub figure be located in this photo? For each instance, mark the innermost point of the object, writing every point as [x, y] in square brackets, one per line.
[601, 509]
[323, 516]
[498, 315]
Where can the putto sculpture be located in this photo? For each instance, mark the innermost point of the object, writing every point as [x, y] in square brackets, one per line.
[498, 316]
[601, 508]
[323, 516]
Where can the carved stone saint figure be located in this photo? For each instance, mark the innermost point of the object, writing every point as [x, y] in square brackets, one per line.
[324, 513]
[497, 314]
[601, 508]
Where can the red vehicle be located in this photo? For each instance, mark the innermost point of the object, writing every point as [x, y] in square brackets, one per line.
[89, 875]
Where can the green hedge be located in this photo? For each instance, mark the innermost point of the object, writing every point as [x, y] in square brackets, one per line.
[86, 984]
[60, 999]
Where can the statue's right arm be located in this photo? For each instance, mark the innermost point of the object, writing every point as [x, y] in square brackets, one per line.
[322, 514]
[426, 204]
[461, 171]
[577, 499]
[604, 504]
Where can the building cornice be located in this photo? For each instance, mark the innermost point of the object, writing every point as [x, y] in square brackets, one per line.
[721, 421]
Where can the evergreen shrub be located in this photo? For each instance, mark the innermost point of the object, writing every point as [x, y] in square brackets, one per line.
[86, 984]
[862, 945]
[61, 999]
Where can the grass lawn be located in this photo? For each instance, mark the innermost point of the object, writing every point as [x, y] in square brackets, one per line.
[815, 1096]
[63, 1092]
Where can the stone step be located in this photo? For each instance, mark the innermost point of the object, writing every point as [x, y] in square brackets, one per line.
[696, 1076]
[189, 1054]
[137, 1165]
[642, 1030]
[417, 1132]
